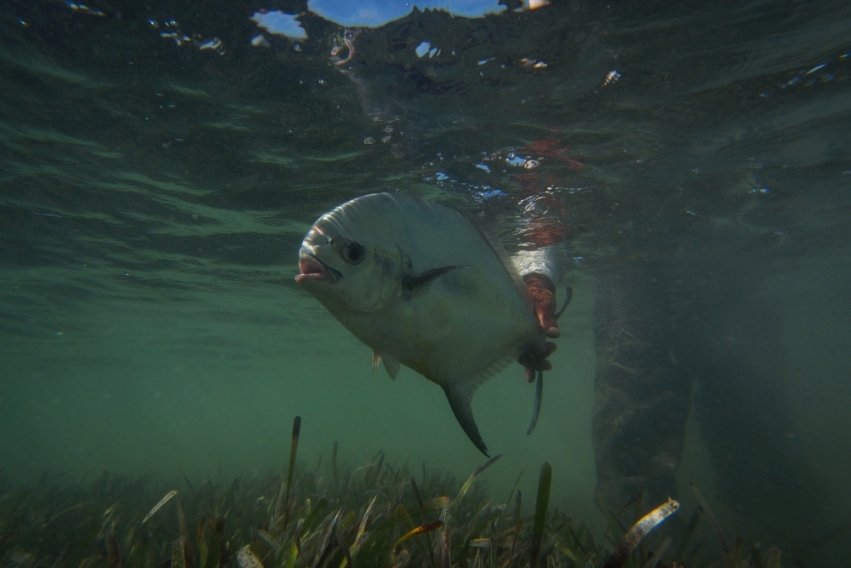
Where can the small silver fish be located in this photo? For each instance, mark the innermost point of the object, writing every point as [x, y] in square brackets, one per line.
[423, 287]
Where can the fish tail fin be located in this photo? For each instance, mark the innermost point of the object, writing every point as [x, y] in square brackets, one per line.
[460, 399]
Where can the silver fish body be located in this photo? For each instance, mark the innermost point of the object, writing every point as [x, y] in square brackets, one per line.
[422, 286]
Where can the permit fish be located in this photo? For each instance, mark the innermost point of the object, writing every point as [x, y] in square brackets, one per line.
[422, 286]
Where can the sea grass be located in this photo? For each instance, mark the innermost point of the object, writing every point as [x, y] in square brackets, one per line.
[348, 517]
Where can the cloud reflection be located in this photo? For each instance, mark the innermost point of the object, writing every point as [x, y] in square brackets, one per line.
[278, 23]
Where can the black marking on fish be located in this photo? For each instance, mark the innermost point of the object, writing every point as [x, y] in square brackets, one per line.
[539, 393]
[460, 399]
[412, 283]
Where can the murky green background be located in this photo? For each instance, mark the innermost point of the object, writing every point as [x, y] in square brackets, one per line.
[158, 171]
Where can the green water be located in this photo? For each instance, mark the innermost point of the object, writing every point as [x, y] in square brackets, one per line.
[153, 197]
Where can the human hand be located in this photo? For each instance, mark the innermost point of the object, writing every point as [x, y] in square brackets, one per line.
[534, 359]
[542, 292]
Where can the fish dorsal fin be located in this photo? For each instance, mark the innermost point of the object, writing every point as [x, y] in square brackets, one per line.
[391, 364]
[416, 282]
[460, 397]
[536, 408]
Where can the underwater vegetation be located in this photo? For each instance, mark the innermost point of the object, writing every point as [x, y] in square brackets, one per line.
[374, 515]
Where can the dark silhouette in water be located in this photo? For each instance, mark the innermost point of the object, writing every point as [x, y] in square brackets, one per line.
[641, 400]
[671, 342]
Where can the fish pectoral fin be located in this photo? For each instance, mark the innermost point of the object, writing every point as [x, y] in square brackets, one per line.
[414, 282]
[460, 399]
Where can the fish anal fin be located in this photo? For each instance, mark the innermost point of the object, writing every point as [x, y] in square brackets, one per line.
[460, 399]
[414, 282]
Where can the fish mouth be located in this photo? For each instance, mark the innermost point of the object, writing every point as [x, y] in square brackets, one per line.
[312, 269]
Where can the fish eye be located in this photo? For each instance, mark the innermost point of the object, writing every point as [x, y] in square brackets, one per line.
[352, 252]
